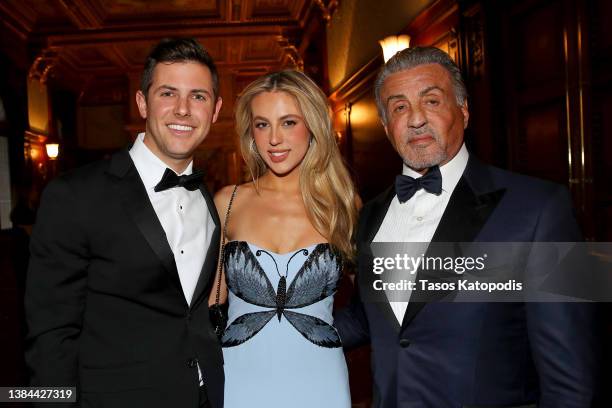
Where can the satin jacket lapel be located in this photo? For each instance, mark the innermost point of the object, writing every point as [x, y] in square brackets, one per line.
[212, 254]
[371, 222]
[138, 206]
[468, 210]
[375, 217]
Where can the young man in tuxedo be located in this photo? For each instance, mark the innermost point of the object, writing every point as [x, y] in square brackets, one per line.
[123, 254]
[429, 354]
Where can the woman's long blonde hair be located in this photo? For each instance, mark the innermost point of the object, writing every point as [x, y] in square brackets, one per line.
[327, 188]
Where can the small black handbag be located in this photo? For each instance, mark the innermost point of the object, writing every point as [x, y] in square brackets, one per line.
[218, 318]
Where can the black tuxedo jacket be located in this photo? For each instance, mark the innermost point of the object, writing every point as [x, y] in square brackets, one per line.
[453, 355]
[104, 304]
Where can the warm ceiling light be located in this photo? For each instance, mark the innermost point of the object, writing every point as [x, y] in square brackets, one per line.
[52, 150]
[393, 44]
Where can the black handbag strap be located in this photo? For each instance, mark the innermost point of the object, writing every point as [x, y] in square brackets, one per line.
[222, 252]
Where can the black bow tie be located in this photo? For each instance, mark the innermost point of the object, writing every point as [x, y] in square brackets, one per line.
[406, 186]
[171, 179]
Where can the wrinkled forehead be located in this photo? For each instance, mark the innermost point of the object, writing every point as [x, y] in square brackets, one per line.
[416, 80]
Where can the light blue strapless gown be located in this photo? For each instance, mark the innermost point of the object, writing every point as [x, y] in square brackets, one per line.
[280, 348]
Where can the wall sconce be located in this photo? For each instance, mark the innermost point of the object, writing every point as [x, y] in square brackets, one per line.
[52, 150]
[393, 44]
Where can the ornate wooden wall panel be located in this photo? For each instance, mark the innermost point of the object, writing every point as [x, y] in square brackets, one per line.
[600, 15]
[482, 138]
[538, 149]
[549, 97]
[131, 10]
[535, 85]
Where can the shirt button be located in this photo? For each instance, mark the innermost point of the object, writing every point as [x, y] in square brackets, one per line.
[419, 218]
[192, 362]
[180, 207]
[404, 343]
[182, 252]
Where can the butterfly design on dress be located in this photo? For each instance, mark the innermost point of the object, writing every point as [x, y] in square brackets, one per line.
[317, 279]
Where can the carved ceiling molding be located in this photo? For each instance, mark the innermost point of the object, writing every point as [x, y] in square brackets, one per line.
[20, 20]
[291, 55]
[92, 37]
[327, 10]
[31, 18]
[85, 14]
[108, 39]
[117, 57]
[43, 65]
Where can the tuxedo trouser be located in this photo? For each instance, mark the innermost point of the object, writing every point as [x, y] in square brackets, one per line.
[204, 402]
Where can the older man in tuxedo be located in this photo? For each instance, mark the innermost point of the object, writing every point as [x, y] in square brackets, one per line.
[123, 253]
[450, 355]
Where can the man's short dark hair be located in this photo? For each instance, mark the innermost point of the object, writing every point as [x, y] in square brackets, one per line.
[171, 50]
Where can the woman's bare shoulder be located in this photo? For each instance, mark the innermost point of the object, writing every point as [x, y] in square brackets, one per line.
[223, 196]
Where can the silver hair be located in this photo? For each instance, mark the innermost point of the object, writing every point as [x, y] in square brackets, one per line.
[412, 57]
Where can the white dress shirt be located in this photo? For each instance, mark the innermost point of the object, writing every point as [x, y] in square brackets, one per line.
[183, 214]
[417, 219]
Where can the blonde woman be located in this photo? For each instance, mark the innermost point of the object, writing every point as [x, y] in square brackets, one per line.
[287, 235]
